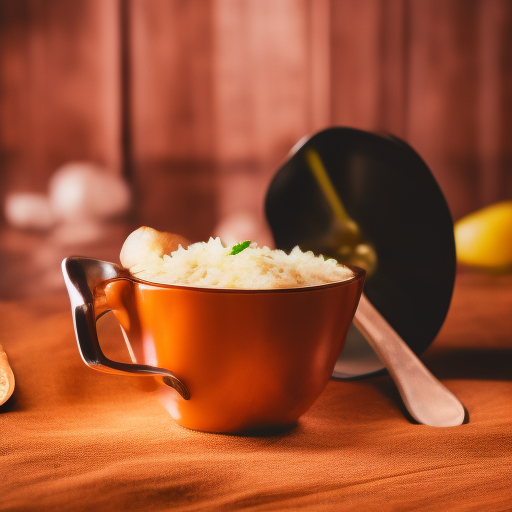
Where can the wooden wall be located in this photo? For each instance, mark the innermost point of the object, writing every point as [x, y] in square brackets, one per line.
[59, 87]
[199, 101]
[436, 73]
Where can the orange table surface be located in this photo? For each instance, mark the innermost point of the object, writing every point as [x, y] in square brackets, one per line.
[75, 439]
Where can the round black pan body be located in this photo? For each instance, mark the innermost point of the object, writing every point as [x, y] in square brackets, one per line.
[391, 194]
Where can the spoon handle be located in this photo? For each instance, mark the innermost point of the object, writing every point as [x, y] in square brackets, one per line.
[428, 401]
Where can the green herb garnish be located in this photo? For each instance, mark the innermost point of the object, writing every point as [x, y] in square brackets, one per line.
[239, 247]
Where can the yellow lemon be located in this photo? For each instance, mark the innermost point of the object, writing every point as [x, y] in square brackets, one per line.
[484, 238]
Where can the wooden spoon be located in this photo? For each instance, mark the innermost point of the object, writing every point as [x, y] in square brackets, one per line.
[427, 400]
[6, 377]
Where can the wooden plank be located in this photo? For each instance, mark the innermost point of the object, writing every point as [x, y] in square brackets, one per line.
[443, 95]
[261, 78]
[368, 64]
[171, 113]
[494, 108]
[320, 64]
[171, 73]
[59, 75]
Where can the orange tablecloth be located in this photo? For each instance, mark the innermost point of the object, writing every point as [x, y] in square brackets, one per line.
[75, 439]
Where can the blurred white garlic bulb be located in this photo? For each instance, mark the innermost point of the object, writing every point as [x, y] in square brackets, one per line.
[29, 210]
[84, 190]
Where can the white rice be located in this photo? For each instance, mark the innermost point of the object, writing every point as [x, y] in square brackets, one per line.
[209, 264]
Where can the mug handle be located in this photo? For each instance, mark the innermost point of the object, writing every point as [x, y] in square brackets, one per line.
[85, 280]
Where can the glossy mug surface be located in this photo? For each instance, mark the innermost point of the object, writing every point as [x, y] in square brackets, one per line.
[251, 359]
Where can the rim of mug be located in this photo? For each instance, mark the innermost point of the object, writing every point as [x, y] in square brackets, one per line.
[359, 273]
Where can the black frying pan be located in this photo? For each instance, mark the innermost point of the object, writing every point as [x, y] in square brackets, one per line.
[391, 194]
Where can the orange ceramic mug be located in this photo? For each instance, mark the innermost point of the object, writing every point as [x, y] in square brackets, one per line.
[238, 360]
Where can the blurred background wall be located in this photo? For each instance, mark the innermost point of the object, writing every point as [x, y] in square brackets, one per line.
[196, 102]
